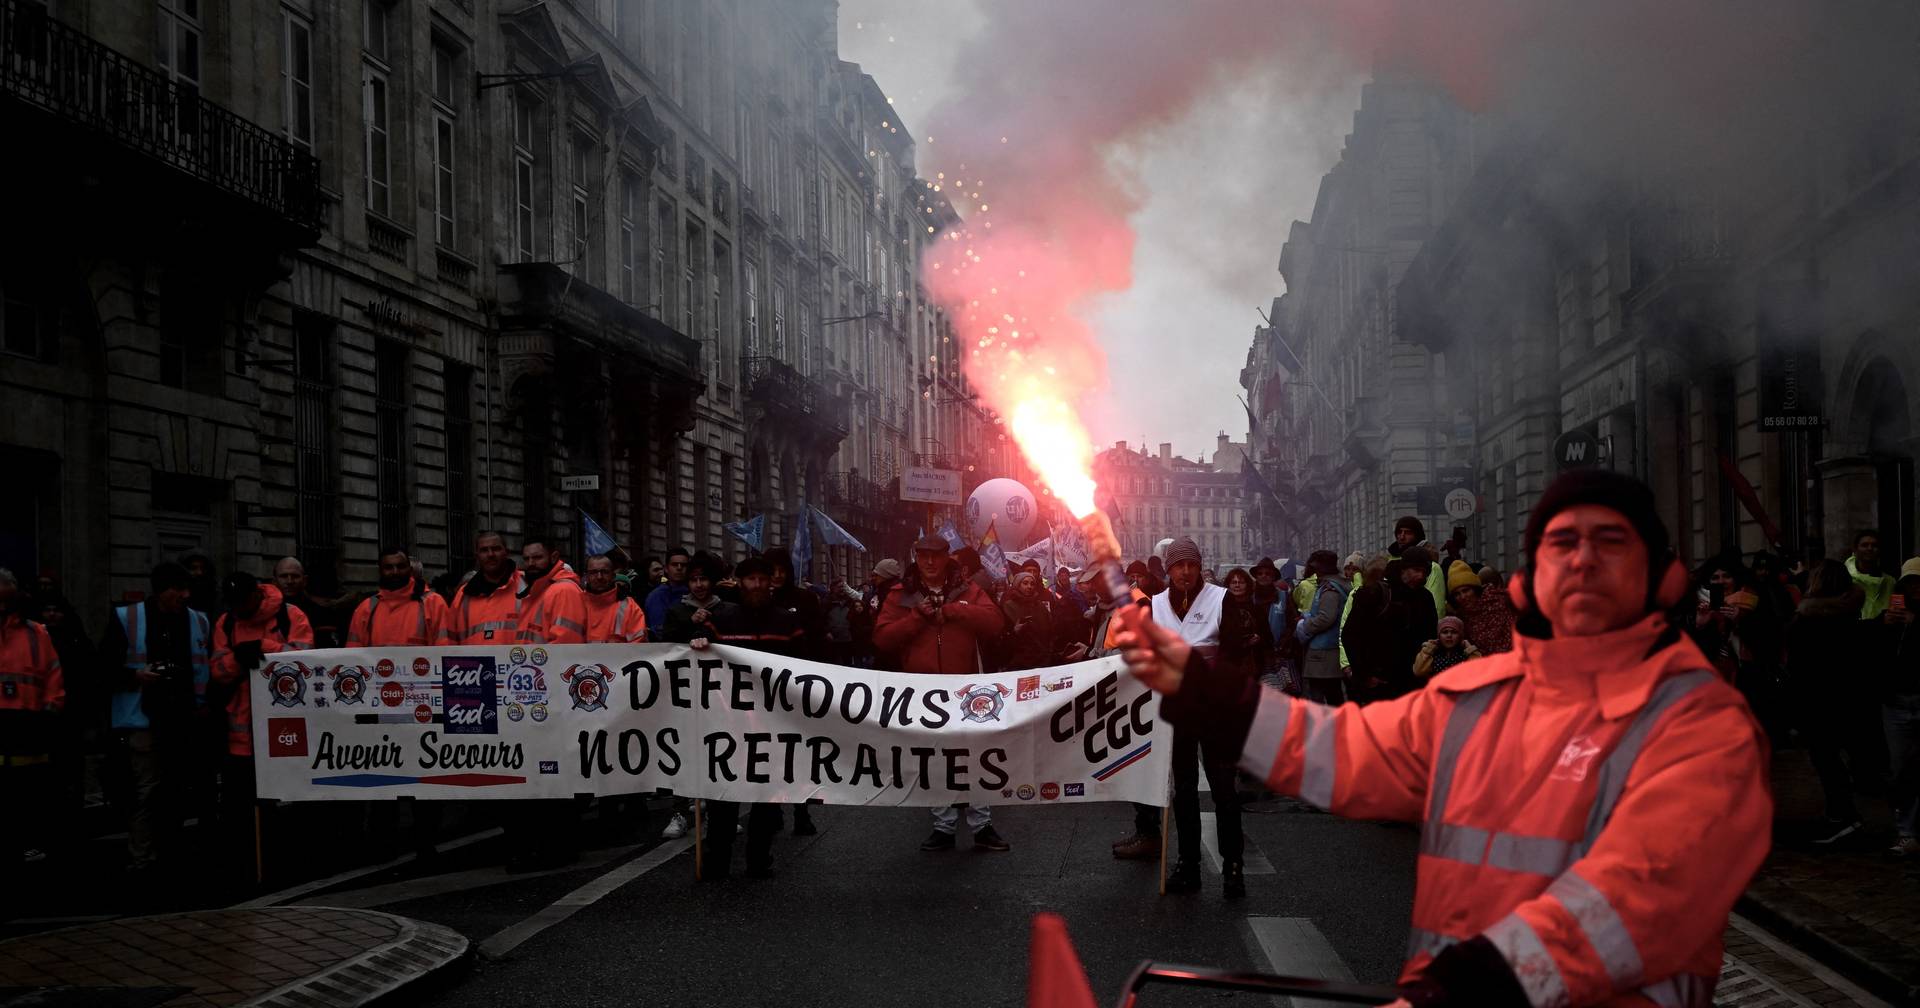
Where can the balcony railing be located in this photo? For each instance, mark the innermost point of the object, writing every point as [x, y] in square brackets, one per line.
[777, 385]
[63, 71]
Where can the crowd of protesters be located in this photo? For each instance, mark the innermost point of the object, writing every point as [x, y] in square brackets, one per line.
[1827, 655]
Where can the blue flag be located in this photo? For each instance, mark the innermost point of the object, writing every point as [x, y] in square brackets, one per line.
[802, 552]
[753, 531]
[952, 535]
[832, 534]
[598, 541]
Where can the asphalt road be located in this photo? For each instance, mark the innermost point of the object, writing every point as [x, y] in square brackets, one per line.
[858, 915]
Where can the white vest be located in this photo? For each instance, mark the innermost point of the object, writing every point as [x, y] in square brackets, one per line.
[1201, 628]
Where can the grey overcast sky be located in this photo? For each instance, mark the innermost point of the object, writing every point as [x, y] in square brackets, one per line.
[1221, 185]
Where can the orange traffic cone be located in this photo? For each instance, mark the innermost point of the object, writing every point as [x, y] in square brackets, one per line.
[1055, 978]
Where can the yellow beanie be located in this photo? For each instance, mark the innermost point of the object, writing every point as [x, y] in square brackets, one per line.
[1459, 576]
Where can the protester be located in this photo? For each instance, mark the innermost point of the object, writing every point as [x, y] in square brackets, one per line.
[1410, 533]
[881, 581]
[1064, 590]
[1565, 845]
[1420, 624]
[762, 622]
[486, 610]
[1030, 623]
[841, 604]
[402, 613]
[290, 576]
[692, 617]
[83, 716]
[158, 655]
[552, 610]
[1245, 639]
[656, 573]
[1194, 610]
[976, 571]
[1900, 706]
[613, 617]
[32, 695]
[1371, 638]
[1319, 631]
[937, 622]
[667, 593]
[1876, 586]
[1445, 651]
[257, 623]
[1745, 631]
[203, 585]
[1480, 600]
[1830, 680]
[790, 593]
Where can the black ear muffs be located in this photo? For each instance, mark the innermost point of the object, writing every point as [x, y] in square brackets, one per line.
[1520, 591]
[1673, 586]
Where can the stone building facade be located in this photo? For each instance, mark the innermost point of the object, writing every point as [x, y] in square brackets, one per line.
[1745, 338]
[317, 277]
[1150, 497]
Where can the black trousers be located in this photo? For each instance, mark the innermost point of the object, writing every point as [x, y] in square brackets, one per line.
[1332, 692]
[1188, 759]
[723, 818]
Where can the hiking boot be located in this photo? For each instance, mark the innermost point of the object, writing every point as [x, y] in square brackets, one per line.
[1833, 831]
[937, 841]
[1139, 847]
[989, 839]
[1233, 883]
[1184, 878]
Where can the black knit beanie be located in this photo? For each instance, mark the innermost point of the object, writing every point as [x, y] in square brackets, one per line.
[1609, 489]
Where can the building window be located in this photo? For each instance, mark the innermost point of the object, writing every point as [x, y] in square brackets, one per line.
[690, 283]
[780, 320]
[458, 387]
[657, 286]
[391, 444]
[445, 190]
[582, 171]
[378, 17]
[378, 152]
[179, 43]
[629, 243]
[314, 474]
[752, 305]
[806, 338]
[296, 78]
[525, 142]
[717, 284]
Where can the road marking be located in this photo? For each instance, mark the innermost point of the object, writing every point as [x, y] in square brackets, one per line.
[1801, 959]
[440, 885]
[295, 892]
[1252, 861]
[1292, 946]
[510, 938]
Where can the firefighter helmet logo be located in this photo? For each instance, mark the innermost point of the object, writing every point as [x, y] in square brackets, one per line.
[349, 684]
[287, 681]
[982, 702]
[587, 685]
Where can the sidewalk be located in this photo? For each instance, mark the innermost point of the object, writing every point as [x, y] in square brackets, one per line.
[1854, 907]
[275, 956]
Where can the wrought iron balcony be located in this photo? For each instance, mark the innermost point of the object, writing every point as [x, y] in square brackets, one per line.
[777, 386]
[63, 72]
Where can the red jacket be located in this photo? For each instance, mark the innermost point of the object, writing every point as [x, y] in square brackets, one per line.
[948, 643]
[411, 616]
[30, 675]
[552, 610]
[264, 626]
[1591, 815]
[614, 620]
[492, 618]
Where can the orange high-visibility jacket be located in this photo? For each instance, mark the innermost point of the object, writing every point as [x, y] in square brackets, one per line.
[493, 618]
[412, 616]
[1593, 813]
[30, 675]
[263, 626]
[614, 620]
[552, 610]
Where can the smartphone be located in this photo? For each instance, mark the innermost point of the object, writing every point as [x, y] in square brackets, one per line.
[1897, 603]
[1706, 598]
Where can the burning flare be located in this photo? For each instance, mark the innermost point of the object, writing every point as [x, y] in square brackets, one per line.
[1057, 444]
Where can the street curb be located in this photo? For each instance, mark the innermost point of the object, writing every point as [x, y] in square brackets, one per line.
[420, 951]
[1808, 926]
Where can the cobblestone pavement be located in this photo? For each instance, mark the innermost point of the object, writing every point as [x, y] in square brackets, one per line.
[309, 956]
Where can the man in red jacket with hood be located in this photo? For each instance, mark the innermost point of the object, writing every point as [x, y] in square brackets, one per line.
[403, 613]
[552, 609]
[257, 623]
[935, 623]
[1591, 803]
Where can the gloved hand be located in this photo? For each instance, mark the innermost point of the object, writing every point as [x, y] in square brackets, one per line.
[248, 656]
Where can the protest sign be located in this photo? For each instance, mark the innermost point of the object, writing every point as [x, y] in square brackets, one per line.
[723, 723]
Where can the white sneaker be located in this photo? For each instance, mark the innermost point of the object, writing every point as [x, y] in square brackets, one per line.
[1905, 847]
[1835, 831]
[676, 828]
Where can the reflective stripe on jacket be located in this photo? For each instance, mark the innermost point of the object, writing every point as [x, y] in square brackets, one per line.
[405, 617]
[553, 611]
[614, 620]
[1595, 817]
[262, 626]
[127, 712]
[493, 618]
[30, 674]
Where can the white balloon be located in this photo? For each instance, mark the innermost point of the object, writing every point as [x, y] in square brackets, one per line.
[1011, 509]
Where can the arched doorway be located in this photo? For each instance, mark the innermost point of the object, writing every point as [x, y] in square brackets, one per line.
[1871, 483]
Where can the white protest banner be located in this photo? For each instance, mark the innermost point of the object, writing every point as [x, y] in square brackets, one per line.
[723, 723]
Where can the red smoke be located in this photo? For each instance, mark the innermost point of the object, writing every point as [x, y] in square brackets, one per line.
[1048, 90]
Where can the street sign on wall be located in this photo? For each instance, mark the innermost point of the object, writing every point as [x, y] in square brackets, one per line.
[930, 486]
[1574, 449]
[573, 483]
[1461, 504]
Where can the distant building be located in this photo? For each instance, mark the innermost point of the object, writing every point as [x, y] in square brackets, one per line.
[1166, 496]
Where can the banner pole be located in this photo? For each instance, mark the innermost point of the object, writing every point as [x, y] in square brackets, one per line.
[699, 846]
[259, 861]
[1166, 813]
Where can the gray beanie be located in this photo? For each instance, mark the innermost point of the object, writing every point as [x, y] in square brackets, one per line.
[1182, 550]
